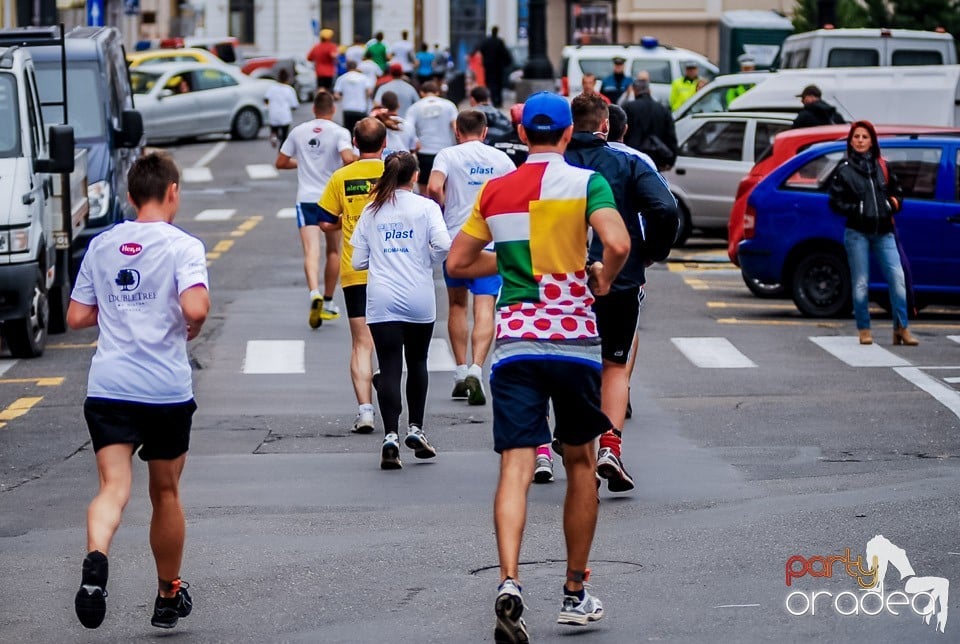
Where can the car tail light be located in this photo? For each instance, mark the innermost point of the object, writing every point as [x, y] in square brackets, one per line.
[749, 222]
[564, 86]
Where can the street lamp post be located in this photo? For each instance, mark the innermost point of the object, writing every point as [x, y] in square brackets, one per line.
[538, 72]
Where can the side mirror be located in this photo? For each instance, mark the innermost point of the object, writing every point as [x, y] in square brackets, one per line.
[131, 129]
[61, 151]
[164, 93]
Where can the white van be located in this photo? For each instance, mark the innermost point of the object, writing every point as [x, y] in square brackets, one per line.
[867, 48]
[664, 63]
[928, 95]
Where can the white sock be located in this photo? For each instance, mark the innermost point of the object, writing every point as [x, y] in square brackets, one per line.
[314, 294]
[365, 409]
[476, 371]
[460, 372]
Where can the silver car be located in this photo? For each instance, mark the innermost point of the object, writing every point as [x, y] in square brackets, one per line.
[179, 100]
[718, 150]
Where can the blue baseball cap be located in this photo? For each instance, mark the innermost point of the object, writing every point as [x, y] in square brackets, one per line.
[546, 112]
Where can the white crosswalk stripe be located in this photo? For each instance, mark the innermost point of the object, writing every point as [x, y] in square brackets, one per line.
[287, 213]
[712, 353]
[5, 365]
[197, 175]
[215, 214]
[849, 350]
[275, 357]
[262, 171]
[955, 338]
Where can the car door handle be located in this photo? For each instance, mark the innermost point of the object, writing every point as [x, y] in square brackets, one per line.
[681, 171]
[954, 220]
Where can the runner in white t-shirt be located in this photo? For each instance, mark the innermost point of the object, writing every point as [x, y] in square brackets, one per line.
[144, 284]
[432, 118]
[400, 136]
[281, 101]
[315, 149]
[458, 174]
[354, 91]
[403, 53]
[399, 238]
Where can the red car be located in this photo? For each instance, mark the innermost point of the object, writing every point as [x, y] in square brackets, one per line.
[787, 145]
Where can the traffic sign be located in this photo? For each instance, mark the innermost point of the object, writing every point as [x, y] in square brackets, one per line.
[94, 13]
[131, 7]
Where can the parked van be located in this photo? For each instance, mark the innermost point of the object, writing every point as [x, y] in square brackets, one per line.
[664, 63]
[867, 48]
[100, 104]
[928, 95]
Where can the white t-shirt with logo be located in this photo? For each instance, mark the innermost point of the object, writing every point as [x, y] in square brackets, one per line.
[399, 244]
[403, 54]
[402, 140]
[467, 167]
[134, 274]
[281, 101]
[353, 87]
[432, 119]
[316, 145]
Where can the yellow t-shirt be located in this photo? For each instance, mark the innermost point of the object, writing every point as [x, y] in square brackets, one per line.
[347, 192]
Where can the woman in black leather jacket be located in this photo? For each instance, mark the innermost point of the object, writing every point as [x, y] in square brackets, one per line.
[864, 192]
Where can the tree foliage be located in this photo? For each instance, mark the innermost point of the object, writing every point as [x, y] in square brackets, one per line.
[906, 14]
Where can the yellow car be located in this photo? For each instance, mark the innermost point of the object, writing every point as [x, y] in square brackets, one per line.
[181, 55]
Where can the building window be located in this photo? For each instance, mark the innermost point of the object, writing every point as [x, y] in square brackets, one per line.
[591, 22]
[241, 20]
[363, 19]
[330, 19]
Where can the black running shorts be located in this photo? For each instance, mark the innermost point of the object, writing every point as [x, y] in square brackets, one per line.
[522, 391]
[617, 314]
[162, 430]
[425, 161]
[355, 297]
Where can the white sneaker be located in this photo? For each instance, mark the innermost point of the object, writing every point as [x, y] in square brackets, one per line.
[578, 613]
[544, 470]
[417, 441]
[363, 423]
[330, 311]
[390, 452]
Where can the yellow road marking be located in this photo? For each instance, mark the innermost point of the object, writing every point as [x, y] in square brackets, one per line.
[19, 407]
[751, 305]
[40, 382]
[829, 325]
[225, 245]
[696, 283]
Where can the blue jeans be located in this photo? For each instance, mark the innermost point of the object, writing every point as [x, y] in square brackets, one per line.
[884, 248]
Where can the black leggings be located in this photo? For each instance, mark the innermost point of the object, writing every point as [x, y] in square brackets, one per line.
[393, 341]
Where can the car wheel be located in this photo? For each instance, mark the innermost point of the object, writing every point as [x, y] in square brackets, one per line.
[821, 285]
[246, 124]
[764, 290]
[27, 336]
[685, 226]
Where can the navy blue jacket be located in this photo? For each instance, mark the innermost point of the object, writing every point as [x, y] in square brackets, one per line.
[637, 190]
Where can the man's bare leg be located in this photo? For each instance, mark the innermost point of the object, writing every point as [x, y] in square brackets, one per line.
[361, 361]
[105, 510]
[310, 238]
[510, 507]
[331, 270]
[482, 336]
[167, 525]
[458, 332]
[579, 507]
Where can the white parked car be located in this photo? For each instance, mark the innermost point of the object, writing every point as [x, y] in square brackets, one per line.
[718, 151]
[179, 100]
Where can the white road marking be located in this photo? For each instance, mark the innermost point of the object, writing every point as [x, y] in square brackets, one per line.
[197, 175]
[287, 213]
[849, 350]
[210, 155]
[712, 353]
[952, 381]
[5, 365]
[946, 396]
[955, 338]
[275, 356]
[215, 214]
[262, 171]
[738, 606]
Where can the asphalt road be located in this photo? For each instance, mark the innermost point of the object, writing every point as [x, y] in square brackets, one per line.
[758, 435]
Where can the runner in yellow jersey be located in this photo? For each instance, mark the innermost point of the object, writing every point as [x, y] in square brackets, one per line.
[347, 192]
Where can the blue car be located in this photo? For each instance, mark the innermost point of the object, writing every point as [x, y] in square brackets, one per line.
[793, 238]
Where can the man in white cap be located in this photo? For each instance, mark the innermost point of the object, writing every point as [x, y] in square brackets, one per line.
[747, 64]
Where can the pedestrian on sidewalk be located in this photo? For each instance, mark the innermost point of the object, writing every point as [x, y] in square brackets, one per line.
[399, 238]
[281, 100]
[315, 149]
[458, 175]
[344, 198]
[496, 61]
[636, 189]
[547, 347]
[144, 284]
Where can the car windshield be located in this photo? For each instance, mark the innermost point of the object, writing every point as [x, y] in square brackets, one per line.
[86, 108]
[659, 69]
[142, 80]
[9, 118]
